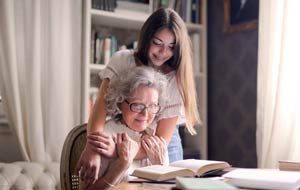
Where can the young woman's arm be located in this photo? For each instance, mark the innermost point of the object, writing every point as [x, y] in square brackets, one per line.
[97, 118]
[89, 162]
[165, 128]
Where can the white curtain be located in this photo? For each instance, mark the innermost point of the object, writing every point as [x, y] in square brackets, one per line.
[278, 93]
[40, 45]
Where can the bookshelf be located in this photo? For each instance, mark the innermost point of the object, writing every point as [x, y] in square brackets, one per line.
[125, 22]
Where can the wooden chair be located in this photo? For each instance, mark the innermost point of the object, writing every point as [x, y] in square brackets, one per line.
[72, 148]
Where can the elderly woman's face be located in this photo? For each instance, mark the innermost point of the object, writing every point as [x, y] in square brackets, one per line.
[136, 118]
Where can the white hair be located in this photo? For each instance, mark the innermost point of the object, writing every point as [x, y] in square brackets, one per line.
[121, 87]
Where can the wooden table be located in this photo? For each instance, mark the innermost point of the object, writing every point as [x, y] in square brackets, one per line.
[148, 186]
[143, 186]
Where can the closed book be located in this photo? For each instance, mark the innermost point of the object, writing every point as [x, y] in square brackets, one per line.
[263, 179]
[289, 165]
[188, 183]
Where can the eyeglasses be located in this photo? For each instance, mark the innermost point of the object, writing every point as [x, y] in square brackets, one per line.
[138, 107]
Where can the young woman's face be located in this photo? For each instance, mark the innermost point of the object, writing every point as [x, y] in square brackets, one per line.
[161, 48]
[139, 119]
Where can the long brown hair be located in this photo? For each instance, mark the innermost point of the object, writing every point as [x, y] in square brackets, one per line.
[181, 61]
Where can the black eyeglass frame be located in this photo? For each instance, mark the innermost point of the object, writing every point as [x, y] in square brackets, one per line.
[138, 110]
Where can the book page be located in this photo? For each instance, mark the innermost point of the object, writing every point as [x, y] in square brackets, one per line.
[194, 164]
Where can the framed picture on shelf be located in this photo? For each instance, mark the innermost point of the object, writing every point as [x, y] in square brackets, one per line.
[240, 15]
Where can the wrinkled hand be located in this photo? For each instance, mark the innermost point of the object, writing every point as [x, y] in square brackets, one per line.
[156, 149]
[88, 165]
[126, 148]
[103, 144]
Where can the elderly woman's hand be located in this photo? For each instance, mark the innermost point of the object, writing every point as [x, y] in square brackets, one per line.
[126, 148]
[156, 149]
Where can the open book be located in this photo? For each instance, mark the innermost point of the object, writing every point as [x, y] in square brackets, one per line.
[289, 165]
[188, 167]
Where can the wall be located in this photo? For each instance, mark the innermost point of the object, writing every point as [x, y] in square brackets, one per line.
[232, 72]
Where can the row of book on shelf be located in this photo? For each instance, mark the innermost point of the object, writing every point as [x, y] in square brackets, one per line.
[103, 47]
[107, 5]
[195, 174]
[189, 10]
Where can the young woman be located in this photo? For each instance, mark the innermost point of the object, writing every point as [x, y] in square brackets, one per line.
[133, 101]
[164, 45]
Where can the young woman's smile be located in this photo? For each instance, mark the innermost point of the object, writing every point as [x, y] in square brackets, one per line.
[161, 48]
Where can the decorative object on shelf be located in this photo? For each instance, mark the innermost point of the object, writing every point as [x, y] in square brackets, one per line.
[240, 15]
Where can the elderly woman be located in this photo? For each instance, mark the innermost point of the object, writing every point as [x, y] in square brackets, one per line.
[133, 101]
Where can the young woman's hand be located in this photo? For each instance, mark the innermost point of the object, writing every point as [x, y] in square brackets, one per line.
[103, 144]
[88, 165]
[126, 148]
[156, 149]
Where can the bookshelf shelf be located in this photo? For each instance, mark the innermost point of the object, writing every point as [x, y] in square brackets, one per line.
[124, 24]
[119, 18]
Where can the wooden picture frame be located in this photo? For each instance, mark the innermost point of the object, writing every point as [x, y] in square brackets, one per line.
[240, 15]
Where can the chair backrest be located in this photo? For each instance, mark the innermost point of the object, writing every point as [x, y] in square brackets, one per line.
[72, 148]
